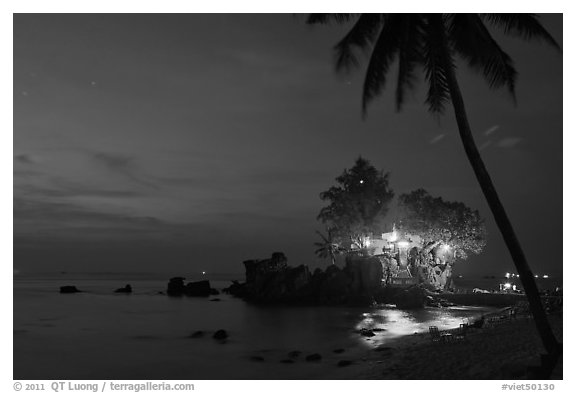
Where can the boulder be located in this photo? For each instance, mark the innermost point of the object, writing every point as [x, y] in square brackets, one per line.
[236, 289]
[126, 289]
[315, 357]
[198, 288]
[411, 298]
[220, 335]
[69, 289]
[175, 286]
[272, 281]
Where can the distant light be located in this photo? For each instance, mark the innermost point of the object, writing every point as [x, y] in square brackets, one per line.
[203, 273]
[507, 285]
[535, 276]
[361, 181]
[403, 244]
[367, 242]
[545, 276]
[513, 287]
[394, 236]
[508, 275]
[445, 247]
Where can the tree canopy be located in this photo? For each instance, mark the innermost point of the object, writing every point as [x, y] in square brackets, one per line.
[438, 222]
[358, 204]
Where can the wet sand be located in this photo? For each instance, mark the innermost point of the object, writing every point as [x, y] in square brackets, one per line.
[504, 351]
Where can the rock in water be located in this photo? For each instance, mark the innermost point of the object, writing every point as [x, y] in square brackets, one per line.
[236, 289]
[126, 289]
[198, 288]
[315, 357]
[411, 298]
[220, 335]
[69, 289]
[176, 286]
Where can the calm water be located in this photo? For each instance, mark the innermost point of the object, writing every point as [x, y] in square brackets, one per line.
[102, 335]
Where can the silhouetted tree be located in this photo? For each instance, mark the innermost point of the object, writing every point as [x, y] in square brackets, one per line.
[432, 41]
[358, 203]
[328, 248]
[442, 223]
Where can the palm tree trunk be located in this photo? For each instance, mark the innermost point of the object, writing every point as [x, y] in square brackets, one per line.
[526, 276]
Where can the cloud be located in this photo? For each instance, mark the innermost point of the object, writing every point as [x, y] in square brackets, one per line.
[123, 165]
[47, 220]
[485, 145]
[509, 142]
[437, 139]
[70, 190]
[492, 130]
[25, 159]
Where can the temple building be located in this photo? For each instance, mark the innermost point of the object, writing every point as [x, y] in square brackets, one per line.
[403, 263]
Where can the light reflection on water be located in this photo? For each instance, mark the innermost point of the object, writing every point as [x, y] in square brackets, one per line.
[396, 323]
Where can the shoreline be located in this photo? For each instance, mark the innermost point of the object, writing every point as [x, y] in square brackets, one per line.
[504, 351]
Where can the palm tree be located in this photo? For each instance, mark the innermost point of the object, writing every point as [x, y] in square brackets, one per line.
[327, 248]
[432, 41]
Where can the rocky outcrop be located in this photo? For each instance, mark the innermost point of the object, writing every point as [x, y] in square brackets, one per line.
[411, 298]
[69, 289]
[126, 289]
[176, 287]
[236, 289]
[273, 281]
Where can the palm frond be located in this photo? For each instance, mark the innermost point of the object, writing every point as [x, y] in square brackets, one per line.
[473, 41]
[327, 18]
[382, 57]
[436, 59]
[361, 36]
[526, 26]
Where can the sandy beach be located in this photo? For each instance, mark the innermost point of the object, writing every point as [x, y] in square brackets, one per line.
[501, 352]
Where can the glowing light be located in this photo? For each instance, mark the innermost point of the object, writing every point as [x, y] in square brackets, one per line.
[445, 247]
[545, 276]
[508, 275]
[203, 273]
[403, 244]
[367, 242]
[361, 181]
[513, 287]
[535, 276]
[394, 236]
[507, 285]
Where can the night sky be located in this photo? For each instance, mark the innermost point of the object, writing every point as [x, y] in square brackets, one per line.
[181, 143]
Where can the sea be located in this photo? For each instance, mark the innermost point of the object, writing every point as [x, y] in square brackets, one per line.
[99, 334]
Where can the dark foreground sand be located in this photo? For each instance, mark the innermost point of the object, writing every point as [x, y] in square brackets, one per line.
[502, 352]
